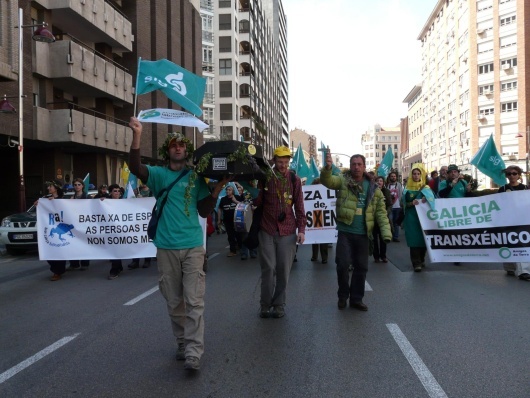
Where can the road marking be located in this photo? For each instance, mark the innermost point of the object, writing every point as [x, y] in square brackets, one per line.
[142, 296]
[39, 355]
[367, 287]
[211, 256]
[427, 379]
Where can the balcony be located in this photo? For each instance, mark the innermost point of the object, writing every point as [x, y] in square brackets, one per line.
[208, 99]
[207, 37]
[207, 5]
[81, 71]
[92, 21]
[76, 127]
[208, 67]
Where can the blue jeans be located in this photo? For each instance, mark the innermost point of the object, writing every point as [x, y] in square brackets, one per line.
[352, 249]
[394, 216]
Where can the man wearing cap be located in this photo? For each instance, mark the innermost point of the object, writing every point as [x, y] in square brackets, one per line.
[179, 238]
[360, 203]
[277, 236]
[435, 182]
[454, 186]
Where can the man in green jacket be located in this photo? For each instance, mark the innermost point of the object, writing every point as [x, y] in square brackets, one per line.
[359, 204]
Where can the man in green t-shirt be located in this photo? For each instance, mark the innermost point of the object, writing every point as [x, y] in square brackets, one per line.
[179, 238]
[360, 203]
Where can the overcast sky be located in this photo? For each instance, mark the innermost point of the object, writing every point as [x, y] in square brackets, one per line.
[351, 64]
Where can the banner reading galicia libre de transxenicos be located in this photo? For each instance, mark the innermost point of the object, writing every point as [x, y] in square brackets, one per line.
[94, 229]
[319, 203]
[492, 228]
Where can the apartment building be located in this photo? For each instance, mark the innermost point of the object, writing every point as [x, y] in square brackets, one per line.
[80, 89]
[474, 63]
[249, 101]
[376, 141]
[412, 131]
[309, 144]
[208, 68]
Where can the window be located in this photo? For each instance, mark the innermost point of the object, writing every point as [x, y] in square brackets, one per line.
[509, 107]
[508, 63]
[508, 41]
[486, 111]
[508, 20]
[207, 55]
[225, 44]
[484, 5]
[224, 3]
[508, 86]
[225, 89]
[225, 111]
[225, 66]
[486, 68]
[485, 90]
[485, 47]
[225, 22]
[244, 26]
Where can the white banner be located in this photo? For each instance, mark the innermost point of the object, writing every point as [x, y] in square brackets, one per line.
[319, 204]
[492, 228]
[171, 116]
[91, 229]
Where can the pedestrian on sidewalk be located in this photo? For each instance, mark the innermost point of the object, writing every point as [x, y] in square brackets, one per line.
[396, 192]
[360, 203]
[179, 237]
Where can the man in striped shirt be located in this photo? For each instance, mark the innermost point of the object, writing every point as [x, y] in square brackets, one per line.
[283, 213]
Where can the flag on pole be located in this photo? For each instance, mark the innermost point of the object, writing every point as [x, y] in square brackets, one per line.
[171, 116]
[386, 164]
[489, 162]
[334, 169]
[129, 192]
[299, 165]
[178, 84]
[86, 182]
[315, 172]
[125, 174]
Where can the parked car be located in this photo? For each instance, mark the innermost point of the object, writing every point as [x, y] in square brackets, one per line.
[18, 232]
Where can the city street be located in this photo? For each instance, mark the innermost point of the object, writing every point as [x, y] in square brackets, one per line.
[455, 331]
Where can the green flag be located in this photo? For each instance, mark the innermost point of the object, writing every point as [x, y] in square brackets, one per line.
[299, 165]
[334, 169]
[86, 181]
[178, 84]
[386, 164]
[489, 162]
[315, 172]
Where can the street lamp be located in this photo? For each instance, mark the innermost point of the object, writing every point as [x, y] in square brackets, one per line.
[44, 35]
[527, 147]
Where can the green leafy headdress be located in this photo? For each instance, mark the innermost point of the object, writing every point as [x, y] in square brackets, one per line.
[179, 137]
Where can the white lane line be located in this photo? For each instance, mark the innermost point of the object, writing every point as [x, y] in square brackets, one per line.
[211, 256]
[427, 379]
[141, 296]
[39, 355]
[367, 287]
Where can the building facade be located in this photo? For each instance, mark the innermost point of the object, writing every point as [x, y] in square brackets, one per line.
[309, 144]
[412, 131]
[376, 141]
[80, 89]
[208, 68]
[474, 63]
[247, 76]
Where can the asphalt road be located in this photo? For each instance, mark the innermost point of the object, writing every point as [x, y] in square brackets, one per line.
[450, 331]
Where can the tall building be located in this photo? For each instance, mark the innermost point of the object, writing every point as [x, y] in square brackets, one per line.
[309, 144]
[80, 89]
[208, 68]
[377, 141]
[474, 63]
[412, 131]
[249, 100]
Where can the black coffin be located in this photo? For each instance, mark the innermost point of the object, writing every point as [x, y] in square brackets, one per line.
[219, 166]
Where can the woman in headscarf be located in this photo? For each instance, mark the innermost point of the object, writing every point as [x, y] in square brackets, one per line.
[412, 196]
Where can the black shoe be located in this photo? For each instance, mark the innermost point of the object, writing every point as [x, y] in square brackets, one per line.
[265, 311]
[147, 263]
[192, 363]
[278, 311]
[456, 263]
[395, 240]
[181, 352]
[524, 277]
[359, 306]
[324, 261]
[313, 259]
[341, 304]
[134, 265]
[295, 260]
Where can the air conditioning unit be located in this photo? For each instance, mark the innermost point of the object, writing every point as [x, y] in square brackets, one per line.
[480, 31]
[511, 156]
[506, 67]
[481, 117]
[486, 91]
[464, 59]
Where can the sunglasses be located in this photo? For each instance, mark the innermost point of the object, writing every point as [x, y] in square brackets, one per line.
[514, 173]
[116, 190]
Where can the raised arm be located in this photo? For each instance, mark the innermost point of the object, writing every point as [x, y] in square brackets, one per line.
[135, 164]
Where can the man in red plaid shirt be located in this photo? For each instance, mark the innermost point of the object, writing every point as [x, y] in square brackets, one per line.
[277, 236]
